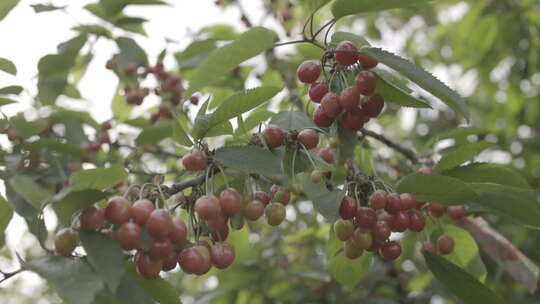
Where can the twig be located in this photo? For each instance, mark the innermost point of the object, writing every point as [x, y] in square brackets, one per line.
[8, 275]
[175, 188]
[157, 152]
[408, 153]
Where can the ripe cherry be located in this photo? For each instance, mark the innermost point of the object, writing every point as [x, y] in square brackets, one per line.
[400, 221]
[195, 160]
[377, 200]
[408, 201]
[456, 212]
[351, 250]
[436, 210]
[159, 249]
[366, 217]
[159, 223]
[129, 236]
[381, 231]
[207, 207]
[344, 229]
[317, 91]
[118, 210]
[349, 98]
[222, 255]
[92, 218]
[390, 251]
[365, 83]
[220, 233]
[170, 261]
[346, 53]
[195, 260]
[393, 203]
[362, 238]
[417, 221]
[330, 104]
[321, 119]
[274, 136]
[327, 155]
[354, 119]
[275, 213]
[427, 246]
[445, 244]
[373, 105]
[230, 201]
[194, 100]
[65, 241]
[348, 207]
[309, 138]
[365, 61]
[178, 232]
[308, 72]
[140, 211]
[254, 210]
[148, 268]
[262, 196]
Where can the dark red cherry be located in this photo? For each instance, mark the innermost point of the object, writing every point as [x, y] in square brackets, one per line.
[366, 217]
[309, 138]
[118, 210]
[348, 207]
[92, 218]
[330, 104]
[317, 91]
[365, 61]
[274, 136]
[346, 53]
[129, 236]
[308, 72]
[377, 200]
[222, 255]
[417, 221]
[140, 211]
[390, 251]
[321, 119]
[349, 98]
[373, 105]
[365, 83]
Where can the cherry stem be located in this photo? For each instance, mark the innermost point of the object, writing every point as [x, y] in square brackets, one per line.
[408, 153]
[308, 156]
[224, 176]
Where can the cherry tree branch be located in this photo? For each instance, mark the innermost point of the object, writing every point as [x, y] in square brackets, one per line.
[8, 275]
[408, 153]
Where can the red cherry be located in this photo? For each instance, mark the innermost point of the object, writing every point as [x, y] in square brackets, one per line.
[400, 221]
[373, 105]
[381, 231]
[330, 104]
[254, 210]
[220, 233]
[222, 255]
[309, 138]
[274, 136]
[148, 268]
[275, 213]
[377, 200]
[321, 119]
[262, 196]
[365, 61]
[346, 53]
[92, 218]
[390, 251]
[445, 244]
[349, 98]
[348, 207]
[365, 83]
[207, 207]
[65, 241]
[344, 229]
[417, 221]
[327, 155]
[170, 261]
[178, 232]
[362, 238]
[140, 211]
[436, 210]
[230, 201]
[308, 72]
[393, 203]
[366, 217]
[354, 119]
[159, 223]
[195, 160]
[159, 248]
[194, 100]
[456, 212]
[408, 201]
[195, 260]
[317, 91]
[118, 210]
[279, 195]
[129, 236]
[351, 250]
[427, 246]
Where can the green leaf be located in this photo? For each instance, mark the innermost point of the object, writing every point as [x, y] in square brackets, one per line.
[293, 120]
[40, 8]
[460, 155]
[312, 5]
[5, 101]
[154, 134]
[522, 207]
[220, 61]
[67, 275]
[120, 108]
[130, 52]
[194, 53]
[179, 135]
[53, 145]
[5, 7]
[437, 189]
[99, 178]
[16, 90]
[105, 256]
[489, 173]
[311, 190]
[6, 213]
[119, 20]
[68, 201]
[466, 254]
[159, 289]
[422, 78]
[395, 94]
[131, 292]
[250, 159]
[31, 191]
[337, 37]
[27, 128]
[5, 64]
[459, 282]
[341, 8]
[344, 270]
[328, 204]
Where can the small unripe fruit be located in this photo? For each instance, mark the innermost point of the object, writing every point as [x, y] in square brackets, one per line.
[159, 223]
[344, 229]
[274, 136]
[348, 208]
[148, 268]
[92, 218]
[346, 53]
[327, 155]
[321, 119]
[377, 200]
[351, 250]
[308, 72]
[279, 195]
[254, 210]
[316, 176]
[275, 213]
[365, 83]
[330, 104]
[390, 251]
[178, 232]
[195, 160]
[207, 207]
[65, 241]
[317, 91]
[456, 212]
[141, 210]
[129, 236]
[349, 98]
[118, 210]
[230, 201]
[309, 138]
[373, 105]
[445, 244]
[222, 255]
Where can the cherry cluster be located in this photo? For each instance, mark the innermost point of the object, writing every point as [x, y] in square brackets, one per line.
[101, 138]
[354, 105]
